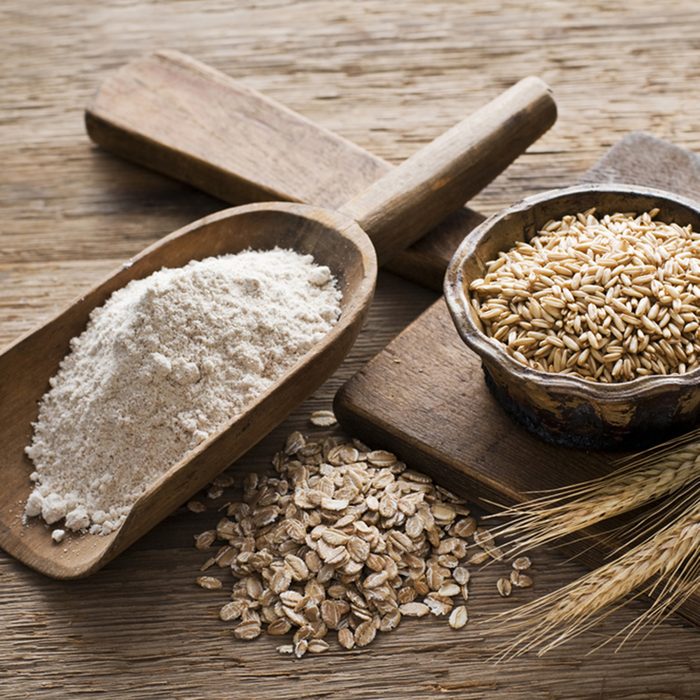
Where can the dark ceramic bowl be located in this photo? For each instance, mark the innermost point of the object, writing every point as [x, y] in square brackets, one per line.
[562, 409]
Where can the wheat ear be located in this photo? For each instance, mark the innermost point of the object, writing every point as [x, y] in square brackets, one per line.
[553, 619]
[642, 479]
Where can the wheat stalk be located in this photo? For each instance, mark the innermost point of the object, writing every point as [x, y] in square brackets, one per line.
[642, 479]
[671, 554]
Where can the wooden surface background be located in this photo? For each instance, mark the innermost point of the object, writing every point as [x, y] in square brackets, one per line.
[389, 76]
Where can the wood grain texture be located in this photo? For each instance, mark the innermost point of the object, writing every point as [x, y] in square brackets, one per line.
[443, 415]
[389, 77]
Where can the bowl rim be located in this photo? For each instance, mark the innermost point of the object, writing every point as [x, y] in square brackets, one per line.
[492, 351]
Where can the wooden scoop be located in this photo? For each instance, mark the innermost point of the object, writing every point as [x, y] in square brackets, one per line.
[394, 212]
[187, 120]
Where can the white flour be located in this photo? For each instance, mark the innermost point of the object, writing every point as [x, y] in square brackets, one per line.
[163, 364]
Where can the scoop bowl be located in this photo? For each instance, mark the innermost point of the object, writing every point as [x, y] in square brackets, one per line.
[562, 409]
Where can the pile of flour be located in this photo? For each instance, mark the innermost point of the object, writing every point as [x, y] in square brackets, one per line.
[164, 363]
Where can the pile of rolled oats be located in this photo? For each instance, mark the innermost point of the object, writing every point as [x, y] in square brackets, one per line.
[343, 540]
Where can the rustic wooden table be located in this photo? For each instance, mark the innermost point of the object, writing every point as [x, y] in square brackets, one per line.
[389, 76]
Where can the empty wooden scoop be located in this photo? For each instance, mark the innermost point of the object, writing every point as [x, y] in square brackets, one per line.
[394, 212]
[187, 120]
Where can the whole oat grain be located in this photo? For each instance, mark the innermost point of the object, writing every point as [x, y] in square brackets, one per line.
[606, 299]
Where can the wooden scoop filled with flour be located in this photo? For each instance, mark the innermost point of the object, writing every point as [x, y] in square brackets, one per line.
[158, 379]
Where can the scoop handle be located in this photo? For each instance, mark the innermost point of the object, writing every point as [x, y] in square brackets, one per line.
[183, 118]
[408, 201]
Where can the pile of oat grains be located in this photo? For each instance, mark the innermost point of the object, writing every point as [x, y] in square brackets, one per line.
[343, 541]
[607, 299]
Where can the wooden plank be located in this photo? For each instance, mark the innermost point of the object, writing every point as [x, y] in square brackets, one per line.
[388, 76]
[182, 118]
[425, 393]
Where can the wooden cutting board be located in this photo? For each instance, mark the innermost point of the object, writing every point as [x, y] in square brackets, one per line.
[424, 396]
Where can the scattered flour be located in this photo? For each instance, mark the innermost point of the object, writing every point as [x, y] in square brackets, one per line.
[164, 363]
